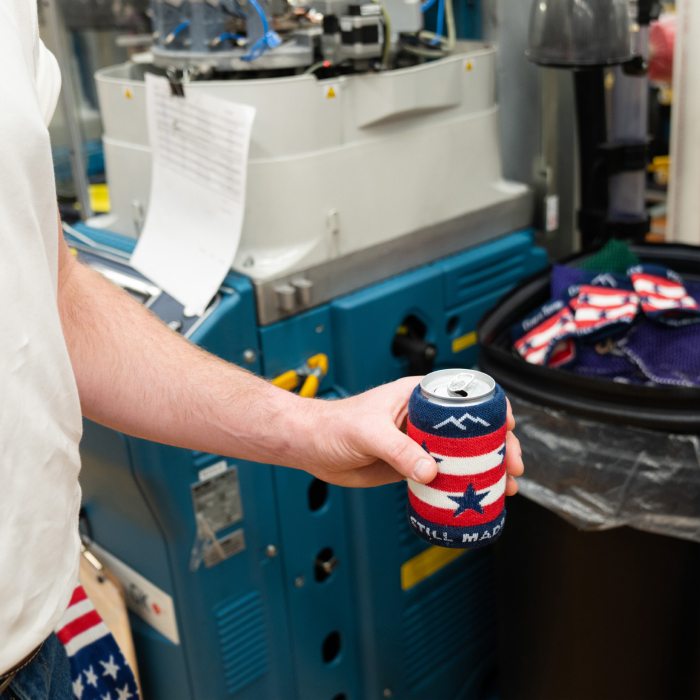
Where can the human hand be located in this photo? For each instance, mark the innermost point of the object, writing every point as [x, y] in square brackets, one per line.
[361, 442]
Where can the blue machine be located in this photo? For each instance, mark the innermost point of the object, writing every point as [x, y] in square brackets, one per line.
[300, 590]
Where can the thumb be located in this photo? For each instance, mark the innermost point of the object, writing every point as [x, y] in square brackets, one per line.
[403, 454]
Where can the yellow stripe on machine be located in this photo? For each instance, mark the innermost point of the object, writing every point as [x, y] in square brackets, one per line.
[464, 341]
[425, 564]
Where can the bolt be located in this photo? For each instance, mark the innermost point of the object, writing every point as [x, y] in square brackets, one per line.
[271, 551]
[249, 356]
[299, 582]
[320, 328]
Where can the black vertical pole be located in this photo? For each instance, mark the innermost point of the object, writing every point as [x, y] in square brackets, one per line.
[589, 87]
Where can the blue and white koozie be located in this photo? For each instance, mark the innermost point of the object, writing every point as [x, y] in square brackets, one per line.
[459, 417]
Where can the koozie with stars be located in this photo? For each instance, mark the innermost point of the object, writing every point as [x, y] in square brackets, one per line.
[98, 668]
[464, 506]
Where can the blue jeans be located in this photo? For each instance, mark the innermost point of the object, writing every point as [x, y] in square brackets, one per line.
[47, 677]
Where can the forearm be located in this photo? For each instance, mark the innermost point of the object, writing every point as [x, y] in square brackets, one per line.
[136, 375]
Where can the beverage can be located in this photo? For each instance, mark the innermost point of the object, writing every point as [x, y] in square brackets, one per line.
[458, 416]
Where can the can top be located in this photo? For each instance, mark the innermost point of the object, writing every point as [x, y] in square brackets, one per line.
[460, 387]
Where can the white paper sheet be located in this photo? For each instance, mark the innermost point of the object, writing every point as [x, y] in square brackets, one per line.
[199, 147]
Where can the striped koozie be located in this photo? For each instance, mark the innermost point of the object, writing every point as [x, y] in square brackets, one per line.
[464, 506]
[98, 668]
[663, 295]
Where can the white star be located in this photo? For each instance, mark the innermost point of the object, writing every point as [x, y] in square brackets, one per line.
[110, 668]
[124, 693]
[78, 688]
[91, 677]
[106, 697]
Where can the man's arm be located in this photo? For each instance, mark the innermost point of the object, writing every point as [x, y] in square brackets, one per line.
[136, 375]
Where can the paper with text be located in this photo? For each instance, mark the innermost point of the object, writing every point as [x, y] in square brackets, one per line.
[199, 146]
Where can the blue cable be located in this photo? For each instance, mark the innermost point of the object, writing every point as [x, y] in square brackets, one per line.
[440, 21]
[269, 40]
[427, 5]
[261, 14]
[229, 36]
[179, 29]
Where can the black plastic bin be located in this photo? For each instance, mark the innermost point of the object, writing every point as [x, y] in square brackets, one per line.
[613, 613]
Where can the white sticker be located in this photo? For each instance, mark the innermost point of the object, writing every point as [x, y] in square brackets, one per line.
[551, 212]
[153, 605]
[213, 470]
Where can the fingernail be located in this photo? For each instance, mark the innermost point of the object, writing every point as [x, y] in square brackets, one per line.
[425, 468]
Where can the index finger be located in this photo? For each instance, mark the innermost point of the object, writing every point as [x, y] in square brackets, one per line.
[510, 421]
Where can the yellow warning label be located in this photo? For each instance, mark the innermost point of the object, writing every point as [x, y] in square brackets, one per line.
[425, 564]
[468, 66]
[331, 92]
[128, 94]
[464, 341]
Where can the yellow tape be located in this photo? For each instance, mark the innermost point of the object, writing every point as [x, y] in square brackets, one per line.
[426, 564]
[464, 341]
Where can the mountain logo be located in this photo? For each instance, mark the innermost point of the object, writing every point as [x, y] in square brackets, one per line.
[459, 423]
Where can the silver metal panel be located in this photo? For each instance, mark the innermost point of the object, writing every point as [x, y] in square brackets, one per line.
[352, 272]
[537, 121]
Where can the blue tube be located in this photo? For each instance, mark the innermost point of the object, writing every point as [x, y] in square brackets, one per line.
[439, 24]
[269, 39]
[261, 14]
[179, 29]
[229, 36]
[427, 5]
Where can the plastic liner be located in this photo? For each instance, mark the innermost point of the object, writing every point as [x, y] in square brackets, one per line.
[600, 475]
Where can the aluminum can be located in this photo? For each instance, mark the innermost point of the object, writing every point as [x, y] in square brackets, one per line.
[458, 416]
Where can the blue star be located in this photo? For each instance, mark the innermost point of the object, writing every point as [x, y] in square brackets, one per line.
[471, 500]
[602, 315]
[425, 447]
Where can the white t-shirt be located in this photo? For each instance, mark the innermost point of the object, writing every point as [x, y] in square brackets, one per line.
[40, 422]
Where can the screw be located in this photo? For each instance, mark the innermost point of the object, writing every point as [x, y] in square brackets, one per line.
[271, 551]
[249, 356]
[320, 328]
[299, 582]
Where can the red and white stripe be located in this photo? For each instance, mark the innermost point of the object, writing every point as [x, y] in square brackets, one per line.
[563, 353]
[662, 294]
[435, 506]
[81, 624]
[618, 305]
[535, 345]
[479, 461]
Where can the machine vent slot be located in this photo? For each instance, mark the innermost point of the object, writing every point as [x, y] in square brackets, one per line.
[494, 277]
[491, 273]
[457, 616]
[243, 641]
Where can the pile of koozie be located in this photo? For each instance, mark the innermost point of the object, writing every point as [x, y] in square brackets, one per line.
[638, 326]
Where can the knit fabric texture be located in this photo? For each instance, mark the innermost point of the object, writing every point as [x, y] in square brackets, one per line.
[665, 354]
[614, 256]
[464, 505]
[642, 328]
[663, 296]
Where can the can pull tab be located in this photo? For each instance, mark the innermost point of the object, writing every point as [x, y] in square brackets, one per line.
[459, 384]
